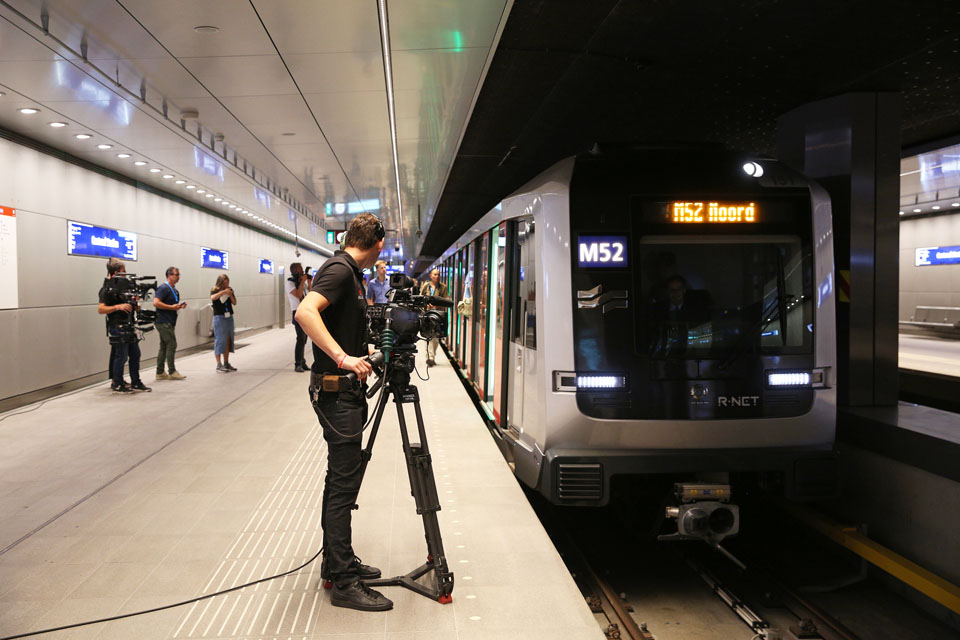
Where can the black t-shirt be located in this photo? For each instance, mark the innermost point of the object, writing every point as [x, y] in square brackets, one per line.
[223, 307]
[340, 281]
[168, 295]
[111, 298]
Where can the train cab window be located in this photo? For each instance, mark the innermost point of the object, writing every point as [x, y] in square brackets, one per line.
[524, 316]
[743, 294]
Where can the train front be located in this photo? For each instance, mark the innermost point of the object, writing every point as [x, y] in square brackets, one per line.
[702, 337]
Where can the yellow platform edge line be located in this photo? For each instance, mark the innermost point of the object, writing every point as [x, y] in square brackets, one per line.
[907, 571]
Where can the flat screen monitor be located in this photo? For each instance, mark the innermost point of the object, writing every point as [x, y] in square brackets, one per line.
[88, 240]
[214, 259]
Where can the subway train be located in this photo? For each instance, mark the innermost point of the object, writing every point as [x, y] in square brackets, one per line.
[652, 312]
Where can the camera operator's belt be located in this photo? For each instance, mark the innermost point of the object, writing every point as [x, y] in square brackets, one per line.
[331, 382]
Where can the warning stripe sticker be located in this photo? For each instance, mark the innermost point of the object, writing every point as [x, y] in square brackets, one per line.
[843, 285]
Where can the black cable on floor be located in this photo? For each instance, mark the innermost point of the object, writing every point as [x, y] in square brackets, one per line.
[164, 607]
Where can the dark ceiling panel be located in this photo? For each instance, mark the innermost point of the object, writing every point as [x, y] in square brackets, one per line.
[568, 74]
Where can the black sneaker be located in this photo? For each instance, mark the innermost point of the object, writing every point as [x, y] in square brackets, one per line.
[363, 571]
[359, 596]
[229, 367]
[139, 386]
[299, 368]
[122, 388]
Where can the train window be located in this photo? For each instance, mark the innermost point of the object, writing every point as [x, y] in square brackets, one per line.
[761, 298]
[524, 329]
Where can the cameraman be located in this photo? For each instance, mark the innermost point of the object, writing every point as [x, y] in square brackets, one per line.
[333, 314]
[296, 287]
[120, 329]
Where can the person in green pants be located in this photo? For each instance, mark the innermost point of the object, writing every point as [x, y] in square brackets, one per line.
[168, 304]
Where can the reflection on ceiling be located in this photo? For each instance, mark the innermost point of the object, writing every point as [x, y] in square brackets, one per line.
[271, 111]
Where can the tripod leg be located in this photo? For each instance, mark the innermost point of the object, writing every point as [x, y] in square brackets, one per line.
[424, 488]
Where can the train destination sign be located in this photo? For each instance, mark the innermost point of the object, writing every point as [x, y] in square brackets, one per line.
[88, 240]
[710, 212]
[602, 251]
[926, 256]
[266, 266]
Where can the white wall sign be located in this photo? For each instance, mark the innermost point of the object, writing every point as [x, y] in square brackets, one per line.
[8, 258]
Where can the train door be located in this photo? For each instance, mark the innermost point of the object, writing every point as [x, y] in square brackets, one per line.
[483, 308]
[497, 313]
[469, 308]
[523, 328]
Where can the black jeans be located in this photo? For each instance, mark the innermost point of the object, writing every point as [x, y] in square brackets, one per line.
[121, 351]
[345, 413]
[301, 342]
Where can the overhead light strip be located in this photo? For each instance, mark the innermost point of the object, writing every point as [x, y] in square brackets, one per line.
[391, 110]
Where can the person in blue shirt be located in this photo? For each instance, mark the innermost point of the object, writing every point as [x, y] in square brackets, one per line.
[168, 304]
[378, 287]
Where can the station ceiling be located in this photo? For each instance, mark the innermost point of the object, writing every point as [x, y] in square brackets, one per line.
[568, 74]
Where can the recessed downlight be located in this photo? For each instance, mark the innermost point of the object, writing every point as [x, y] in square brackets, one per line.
[154, 170]
[57, 125]
[104, 146]
[28, 111]
[179, 182]
[139, 163]
[123, 155]
[83, 136]
[217, 199]
[955, 204]
[233, 206]
[206, 28]
[201, 190]
[935, 207]
[916, 210]
[209, 195]
[191, 186]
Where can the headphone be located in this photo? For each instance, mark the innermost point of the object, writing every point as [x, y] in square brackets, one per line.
[380, 232]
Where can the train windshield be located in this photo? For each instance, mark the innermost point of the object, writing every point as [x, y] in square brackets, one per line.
[723, 296]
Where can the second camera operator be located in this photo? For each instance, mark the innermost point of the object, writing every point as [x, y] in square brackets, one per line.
[333, 314]
[119, 329]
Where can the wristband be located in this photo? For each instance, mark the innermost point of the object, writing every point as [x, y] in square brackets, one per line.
[340, 364]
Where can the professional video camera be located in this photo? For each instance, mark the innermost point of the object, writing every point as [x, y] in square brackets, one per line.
[134, 291]
[397, 323]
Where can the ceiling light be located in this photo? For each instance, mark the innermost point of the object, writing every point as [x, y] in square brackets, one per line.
[180, 182]
[2, 94]
[206, 28]
[916, 210]
[154, 170]
[901, 213]
[288, 133]
[217, 199]
[955, 204]
[248, 213]
[104, 146]
[191, 186]
[57, 125]
[233, 206]
[201, 190]
[123, 155]
[139, 163]
[935, 207]
[167, 176]
[28, 111]
[83, 136]
[209, 195]
[245, 211]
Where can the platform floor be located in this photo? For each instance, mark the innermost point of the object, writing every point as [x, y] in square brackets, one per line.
[935, 355]
[112, 504]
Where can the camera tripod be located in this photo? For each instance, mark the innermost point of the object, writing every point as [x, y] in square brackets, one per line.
[423, 486]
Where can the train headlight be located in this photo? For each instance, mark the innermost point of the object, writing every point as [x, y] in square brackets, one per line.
[575, 381]
[753, 169]
[797, 379]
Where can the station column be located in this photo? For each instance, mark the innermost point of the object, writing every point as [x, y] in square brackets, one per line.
[850, 144]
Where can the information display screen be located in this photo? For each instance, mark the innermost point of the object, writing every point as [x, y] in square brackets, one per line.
[602, 251]
[926, 256]
[266, 266]
[213, 259]
[88, 240]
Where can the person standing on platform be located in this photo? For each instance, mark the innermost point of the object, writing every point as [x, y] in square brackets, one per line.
[378, 287]
[167, 302]
[120, 329]
[333, 314]
[296, 287]
[224, 300]
[433, 287]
